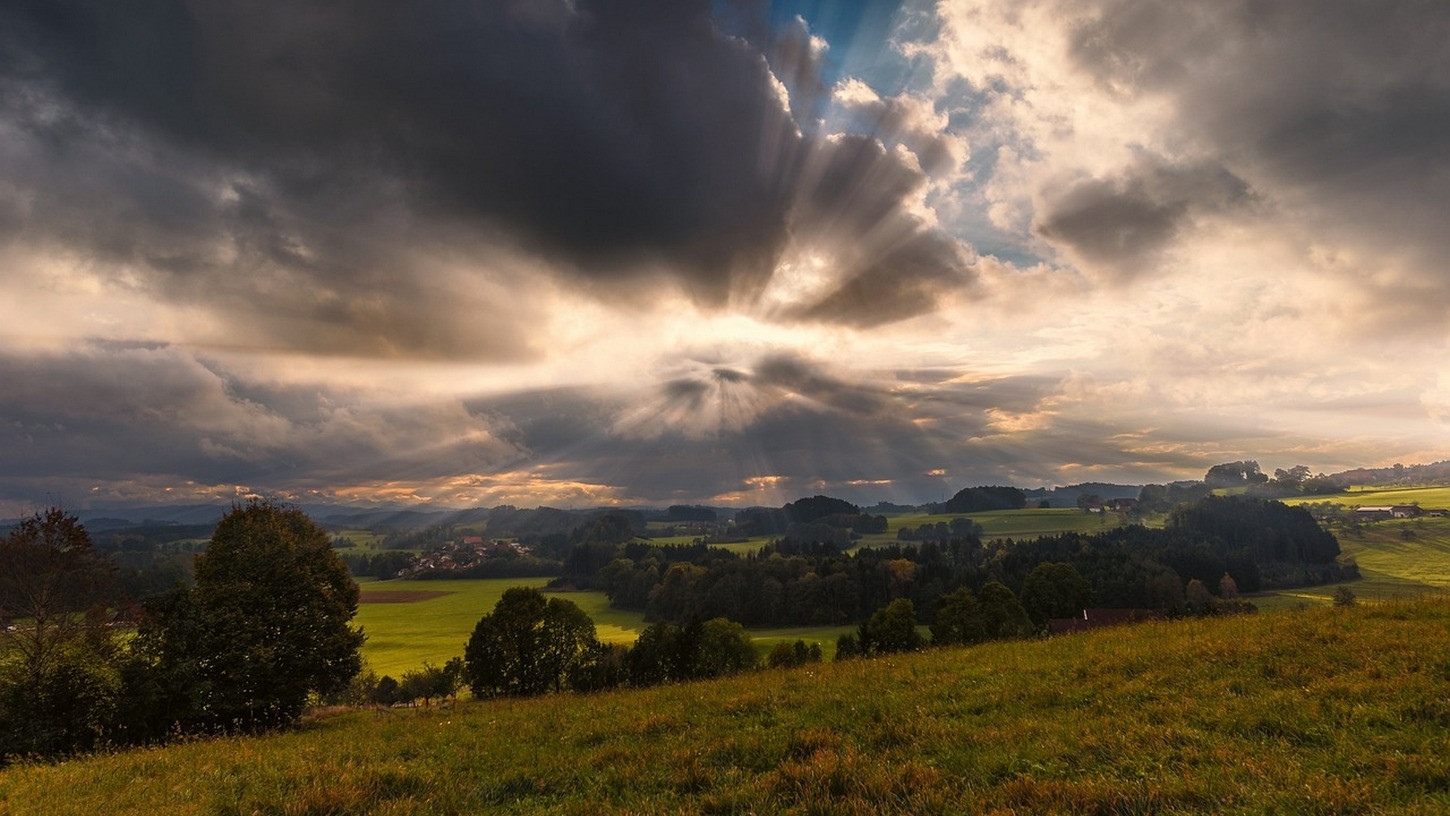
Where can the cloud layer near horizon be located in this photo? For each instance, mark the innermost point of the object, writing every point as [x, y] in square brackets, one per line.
[585, 252]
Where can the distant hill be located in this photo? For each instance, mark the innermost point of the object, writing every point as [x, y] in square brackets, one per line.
[1437, 473]
[1067, 496]
[1336, 710]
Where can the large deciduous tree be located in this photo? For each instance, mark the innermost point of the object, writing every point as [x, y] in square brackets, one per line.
[266, 624]
[58, 676]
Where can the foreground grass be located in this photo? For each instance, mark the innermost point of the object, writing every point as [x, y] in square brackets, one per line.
[1322, 711]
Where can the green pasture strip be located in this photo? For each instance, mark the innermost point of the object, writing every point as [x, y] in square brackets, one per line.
[1361, 496]
[745, 547]
[362, 539]
[403, 635]
[1321, 711]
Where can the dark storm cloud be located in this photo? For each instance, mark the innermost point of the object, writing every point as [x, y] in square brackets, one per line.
[803, 424]
[112, 413]
[1341, 110]
[298, 165]
[892, 266]
[1123, 224]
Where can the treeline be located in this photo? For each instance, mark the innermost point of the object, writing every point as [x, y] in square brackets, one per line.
[1257, 543]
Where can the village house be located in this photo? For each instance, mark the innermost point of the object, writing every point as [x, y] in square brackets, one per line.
[1387, 511]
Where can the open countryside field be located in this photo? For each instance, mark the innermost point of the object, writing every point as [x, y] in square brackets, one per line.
[1027, 523]
[401, 635]
[1392, 565]
[361, 539]
[1322, 711]
[745, 547]
[1426, 497]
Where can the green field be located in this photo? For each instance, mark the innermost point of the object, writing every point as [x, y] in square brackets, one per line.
[1332, 711]
[403, 635]
[998, 524]
[1392, 565]
[1427, 497]
[738, 547]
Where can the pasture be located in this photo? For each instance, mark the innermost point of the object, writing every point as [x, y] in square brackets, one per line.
[1016, 524]
[408, 622]
[1360, 496]
[1398, 559]
[403, 635]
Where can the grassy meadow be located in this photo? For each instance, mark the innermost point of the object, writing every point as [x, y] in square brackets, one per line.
[1335, 710]
[1358, 496]
[1027, 523]
[1392, 564]
[404, 633]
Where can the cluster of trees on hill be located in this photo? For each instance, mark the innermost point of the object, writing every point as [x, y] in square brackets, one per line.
[530, 645]
[262, 628]
[1258, 543]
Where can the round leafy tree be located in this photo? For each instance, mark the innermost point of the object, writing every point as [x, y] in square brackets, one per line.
[273, 604]
[527, 645]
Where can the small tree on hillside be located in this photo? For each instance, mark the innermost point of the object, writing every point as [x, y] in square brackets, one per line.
[892, 629]
[1003, 614]
[958, 620]
[527, 645]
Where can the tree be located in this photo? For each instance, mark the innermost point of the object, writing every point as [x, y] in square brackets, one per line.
[892, 629]
[1004, 615]
[959, 620]
[527, 645]
[432, 682]
[53, 584]
[266, 624]
[1054, 590]
[60, 681]
[723, 647]
[1344, 596]
[1198, 599]
[1228, 588]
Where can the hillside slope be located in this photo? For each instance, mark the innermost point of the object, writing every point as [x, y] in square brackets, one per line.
[1327, 711]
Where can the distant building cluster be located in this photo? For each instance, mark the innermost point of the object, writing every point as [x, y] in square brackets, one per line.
[1397, 511]
[465, 553]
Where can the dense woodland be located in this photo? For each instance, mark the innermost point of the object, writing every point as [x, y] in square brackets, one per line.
[1259, 544]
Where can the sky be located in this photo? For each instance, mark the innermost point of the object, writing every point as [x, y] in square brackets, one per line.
[476, 252]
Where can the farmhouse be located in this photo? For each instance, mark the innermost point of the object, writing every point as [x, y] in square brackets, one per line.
[1387, 511]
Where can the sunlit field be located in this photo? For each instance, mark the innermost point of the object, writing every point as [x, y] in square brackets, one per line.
[1426, 497]
[401, 635]
[745, 547]
[1324, 711]
[1027, 523]
[1398, 559]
